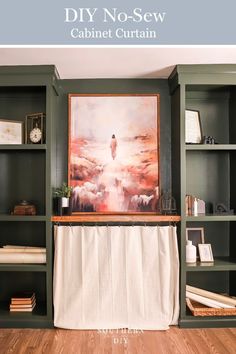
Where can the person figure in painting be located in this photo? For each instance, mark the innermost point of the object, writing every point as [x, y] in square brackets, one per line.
[113, 146]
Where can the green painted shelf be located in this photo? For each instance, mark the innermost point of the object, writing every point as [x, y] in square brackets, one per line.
[36, 319]
[28, 171]
[219, 264]
[190, 321]
[216, 147]
[23, 147]
[7, 217]
[38, 312]
[209, 173]
[29, 267]
[210, 218]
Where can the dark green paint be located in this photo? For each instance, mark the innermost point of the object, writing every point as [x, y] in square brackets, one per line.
[209, 172]
[28, 172]
[209, 88]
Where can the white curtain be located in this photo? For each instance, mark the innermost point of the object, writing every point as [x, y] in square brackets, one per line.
[108, 277]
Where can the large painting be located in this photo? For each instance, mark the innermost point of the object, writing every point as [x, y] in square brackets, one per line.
[113, 162]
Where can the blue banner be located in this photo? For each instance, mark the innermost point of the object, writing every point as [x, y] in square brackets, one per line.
[110, 22]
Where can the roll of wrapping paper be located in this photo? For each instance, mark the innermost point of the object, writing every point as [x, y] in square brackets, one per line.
[206, 301]
[22, 257]
[16, 249]
[210, 295]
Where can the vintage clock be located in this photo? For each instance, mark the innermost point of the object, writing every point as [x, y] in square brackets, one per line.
[35, 128]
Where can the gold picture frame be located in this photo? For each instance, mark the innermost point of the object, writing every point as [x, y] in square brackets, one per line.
[113, 153]
[11, 132]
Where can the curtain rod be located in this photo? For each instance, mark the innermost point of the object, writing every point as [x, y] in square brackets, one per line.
[106, 218]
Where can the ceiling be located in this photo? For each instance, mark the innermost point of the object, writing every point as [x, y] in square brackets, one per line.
[119, 62]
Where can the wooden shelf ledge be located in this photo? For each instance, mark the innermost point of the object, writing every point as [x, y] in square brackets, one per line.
[116, 218]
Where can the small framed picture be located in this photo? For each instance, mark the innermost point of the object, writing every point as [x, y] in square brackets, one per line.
[195, 234]
[205, 252]
[11, 132]
[193, 128]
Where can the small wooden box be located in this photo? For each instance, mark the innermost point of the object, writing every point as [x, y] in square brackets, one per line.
[24, 210]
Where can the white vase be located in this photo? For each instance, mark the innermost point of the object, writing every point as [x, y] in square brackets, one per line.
[191, 252]
[65, 202]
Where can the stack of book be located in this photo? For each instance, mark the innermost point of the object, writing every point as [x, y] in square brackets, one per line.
[23, 302]
[22, 254]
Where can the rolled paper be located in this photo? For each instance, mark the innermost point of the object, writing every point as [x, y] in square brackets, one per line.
[206, 301]
[22, 257]
[214, 296]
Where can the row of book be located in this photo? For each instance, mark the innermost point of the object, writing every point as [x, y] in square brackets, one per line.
[23, 302]
[22, 254]
[194, 206]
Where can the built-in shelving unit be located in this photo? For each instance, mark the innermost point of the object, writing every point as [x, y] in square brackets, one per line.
[209, 173]
[27, 172]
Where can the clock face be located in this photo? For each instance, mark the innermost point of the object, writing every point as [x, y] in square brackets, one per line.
[35, 135]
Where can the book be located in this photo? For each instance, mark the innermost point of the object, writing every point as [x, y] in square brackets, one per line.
[23, 302]
[23, 309]
[24, 295]
[23, 306]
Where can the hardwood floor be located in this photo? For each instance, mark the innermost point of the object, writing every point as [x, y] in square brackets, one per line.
[173, 341]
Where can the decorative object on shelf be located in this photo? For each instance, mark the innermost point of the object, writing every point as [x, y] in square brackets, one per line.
[22, 254]
[35, 128]
[206, 303]
[224, 300]
[209, 140]
[24, 208]
[222, 209]
[198, 309]
[113, 161]
[167, 204]
[193, 129]
[205, 252]
[201, 207]
[196, 235]
[11, 132]
[194, 206]
[191, 252]
[63, 199]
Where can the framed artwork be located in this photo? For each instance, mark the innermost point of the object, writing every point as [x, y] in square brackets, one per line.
[193, 128]
[196, 235]
[11, 132]
[113, 162]
[205, 252]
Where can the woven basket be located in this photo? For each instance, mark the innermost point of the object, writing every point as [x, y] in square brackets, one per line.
[198, 309]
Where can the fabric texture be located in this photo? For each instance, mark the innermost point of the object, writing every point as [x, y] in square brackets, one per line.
[108, 277]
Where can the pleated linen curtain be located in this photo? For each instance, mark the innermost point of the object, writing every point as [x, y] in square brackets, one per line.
[109, 277]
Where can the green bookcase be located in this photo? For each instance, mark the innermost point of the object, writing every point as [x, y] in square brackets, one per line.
[28, 172]
[208, 172]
